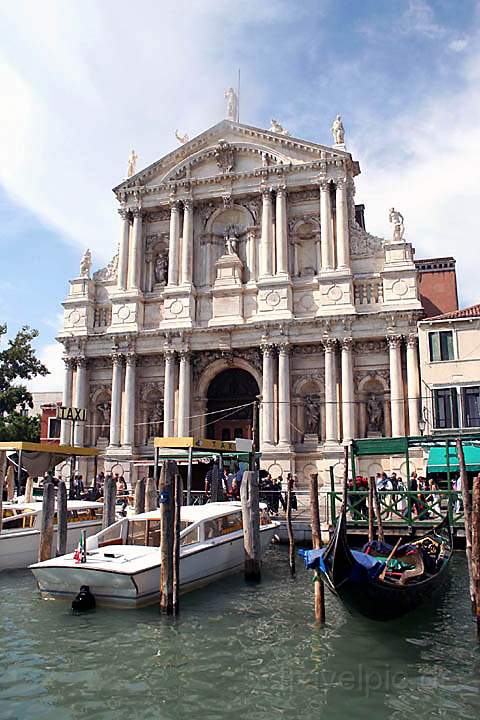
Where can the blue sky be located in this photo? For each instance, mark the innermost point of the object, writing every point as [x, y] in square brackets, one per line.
[84, 82]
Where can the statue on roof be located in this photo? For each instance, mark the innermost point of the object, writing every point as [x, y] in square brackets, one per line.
[132, 164]
[182, 139]
[277, 128]
[396, 218]
[338, 131]
[232, 104]
[86, 264]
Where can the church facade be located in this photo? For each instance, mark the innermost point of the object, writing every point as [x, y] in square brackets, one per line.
[245, 292]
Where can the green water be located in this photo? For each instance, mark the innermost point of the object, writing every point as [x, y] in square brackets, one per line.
[236, 652]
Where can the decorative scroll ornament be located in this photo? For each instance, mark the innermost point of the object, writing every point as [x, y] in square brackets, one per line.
[225, 156]
[362, 243]
[109, 272]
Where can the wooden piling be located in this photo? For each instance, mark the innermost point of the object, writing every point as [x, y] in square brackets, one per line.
[109, 500]
[61, 518]
[166, 538]
[291, 538]
[249, 496]
[45, 549]
[3, 467]
[345, 477]
[140, 496]
[178, 500]
[319, 590]
[467, 516]
[378, 513]
[476, 550]
[29, 489]
[151, 495]
[10, 483]
[215, 485]
[371, 483]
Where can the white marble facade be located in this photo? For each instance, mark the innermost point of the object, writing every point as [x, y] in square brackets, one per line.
[241, 249]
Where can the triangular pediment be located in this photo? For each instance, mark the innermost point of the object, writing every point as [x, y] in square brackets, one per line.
[230, 147]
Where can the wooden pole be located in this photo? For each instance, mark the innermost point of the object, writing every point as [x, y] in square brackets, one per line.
[189, 476]
[10, 483]
[371, 483]
[29, 489]
[378, 513]
[109, 500]
[467, 516]
[45, 550]
[392, 553]
[140, 496]
[345, 477]
[249, 496]
[476, 550]
[319, 591]
[19, 471]
[61, 518]
[151, 496]
[166, 539]
[3, 467]
[178, 485]
[215, 484]
[291, 538]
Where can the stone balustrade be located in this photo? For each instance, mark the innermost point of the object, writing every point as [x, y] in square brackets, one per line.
[102, 316]
[368, 291]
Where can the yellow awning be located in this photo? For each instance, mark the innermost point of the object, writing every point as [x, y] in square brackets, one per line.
[198, 443]
[66, 450]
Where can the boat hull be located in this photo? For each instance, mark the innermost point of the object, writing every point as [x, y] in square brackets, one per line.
[198, 567]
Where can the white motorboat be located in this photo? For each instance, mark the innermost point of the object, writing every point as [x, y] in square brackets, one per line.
[122, 565]
[20, 535]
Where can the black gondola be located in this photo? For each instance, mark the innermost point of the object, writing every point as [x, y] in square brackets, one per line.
[360, 581]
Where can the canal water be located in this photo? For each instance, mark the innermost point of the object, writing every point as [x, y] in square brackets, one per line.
[236, 651]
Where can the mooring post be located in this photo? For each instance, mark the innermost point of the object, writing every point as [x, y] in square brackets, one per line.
[215, 493]
[3, 467]
[345, 478]
[371, 483]
[319, 594]
[45, 550]
[476, 550]
[61, 518]
[467, 516]
[378, 513]
[109, 500]
[151, 495]
[166, 539]
[140, 496]
[29, 489]
[178, 486]
[189, 476]
[10, 483]
[249, 496]
[291, 538]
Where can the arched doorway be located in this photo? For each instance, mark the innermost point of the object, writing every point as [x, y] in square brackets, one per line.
[230, 389]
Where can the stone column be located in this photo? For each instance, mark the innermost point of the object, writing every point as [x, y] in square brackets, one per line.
[326, 226]
[343, 243]
[266, 249]
[396, 385]
[130, 395]
[284, 405]
[173, 245]
[135, 251]
[267, 394]
[169, 394]
[123, 250]
[81, 399]
[251, 256]
[281, 231]
[65, 429]
[184, 394]
[331, 429]
[116, 411]
[413, 384]
[348, 395]
[187, 243]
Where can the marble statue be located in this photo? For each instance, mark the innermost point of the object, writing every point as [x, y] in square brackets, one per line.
[374, 414]
[160, 269]
[277, 128]
[104, 411]
[231, 240]
[154, 421]
[86, 264]
[182, 139]
[232, 104]
[312, 416]
[132, 164]
[338, 131]
[396, 218]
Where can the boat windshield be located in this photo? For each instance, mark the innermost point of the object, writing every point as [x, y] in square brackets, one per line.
[223, 525]
[20, 519]
[147, 532]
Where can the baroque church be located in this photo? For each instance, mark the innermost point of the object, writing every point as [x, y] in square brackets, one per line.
[246, 292]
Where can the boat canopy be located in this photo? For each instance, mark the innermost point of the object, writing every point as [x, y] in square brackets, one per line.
[37, 458]
[437, 458]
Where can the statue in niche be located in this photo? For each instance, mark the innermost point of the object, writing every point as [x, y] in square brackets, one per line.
[86, 264]
[231, 240]
[396, 218]
[132, 164]
[154, 421]
[104, 411]
[232, 104]
[338, 131]
[374, 414]
[160, 269]
[277, 128]
[312, 416]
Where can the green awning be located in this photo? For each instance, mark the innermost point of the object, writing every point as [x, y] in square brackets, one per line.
[437, 458]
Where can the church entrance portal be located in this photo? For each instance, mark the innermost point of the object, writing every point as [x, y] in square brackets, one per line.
[231, 389]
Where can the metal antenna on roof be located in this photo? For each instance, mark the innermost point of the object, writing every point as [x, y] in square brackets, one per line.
[238, 96]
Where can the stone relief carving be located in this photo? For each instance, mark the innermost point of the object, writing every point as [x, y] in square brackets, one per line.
[200, 361]
[373, 374]
[109, 272]
[308, 350]
[157, 215]
[366, 347]
[225, 156]
[362, 243]
[303, 196]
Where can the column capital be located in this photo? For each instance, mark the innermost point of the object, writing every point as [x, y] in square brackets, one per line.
[412, 340]
[188, 204]
[323, 184]
[347, 344]
[268, 349]
[174, 205]
[70, 363]
[81, 362]
[394, 341]
[329, 344]
[117, 359]
[137, 212]
[284, 348]
[266, 193]
[124, 212]
[169, 354]
[341, 183]
[184, 355]
[131, 358]
[281, 190]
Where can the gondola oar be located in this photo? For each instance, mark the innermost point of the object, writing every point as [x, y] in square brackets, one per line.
[382, 574]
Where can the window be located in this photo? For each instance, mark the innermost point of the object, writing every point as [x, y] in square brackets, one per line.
[471, 406]
[191, 537]
[54, 428]
[446, 408]
[441, 345]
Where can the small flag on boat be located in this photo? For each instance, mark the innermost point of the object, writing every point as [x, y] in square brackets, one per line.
[80, 554]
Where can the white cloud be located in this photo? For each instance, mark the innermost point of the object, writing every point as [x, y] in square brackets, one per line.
[458, 45]
[419, 18]
[51, 356]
